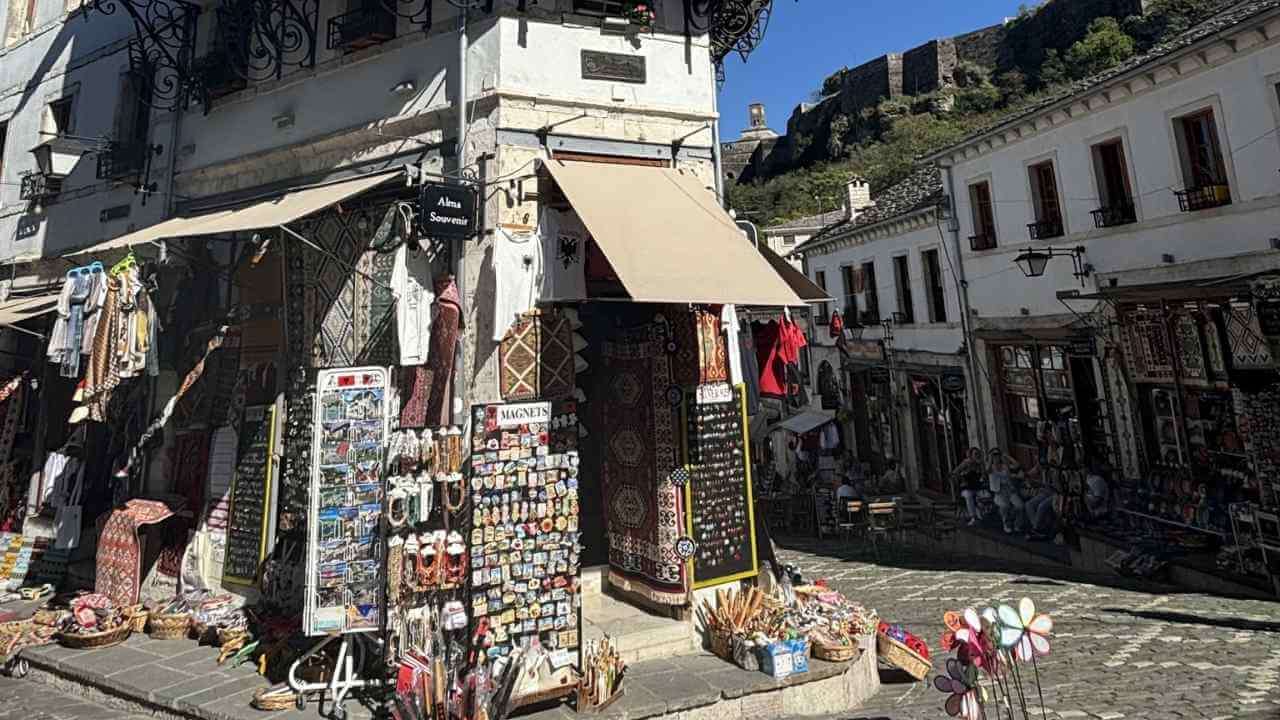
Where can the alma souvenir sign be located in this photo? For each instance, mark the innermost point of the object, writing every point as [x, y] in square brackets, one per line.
[251, 514]
[344, 548]
[448, 210]
[720, 522]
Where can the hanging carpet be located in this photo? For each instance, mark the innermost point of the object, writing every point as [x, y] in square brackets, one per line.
[119, 557]
[537, 358]
[700, 355]
[642, 505]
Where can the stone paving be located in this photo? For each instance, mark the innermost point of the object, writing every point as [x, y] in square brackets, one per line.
[1120, 651]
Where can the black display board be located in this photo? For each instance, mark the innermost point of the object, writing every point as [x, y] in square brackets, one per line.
[249, 517]
[720, 518]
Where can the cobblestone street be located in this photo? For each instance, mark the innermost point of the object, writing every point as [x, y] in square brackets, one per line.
[29, 700]
[1118, 652]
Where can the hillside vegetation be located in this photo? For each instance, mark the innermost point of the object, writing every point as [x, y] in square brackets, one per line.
[881, 143]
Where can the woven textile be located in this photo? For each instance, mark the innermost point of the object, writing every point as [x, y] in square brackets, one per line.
[444, 341]
[556, 365]
[119, 554]
[537, 358]
[1249, 349]
[189, 467]
[415, 390]
[1190, 351]
[700, 354]
[642, 505]
[103, 374]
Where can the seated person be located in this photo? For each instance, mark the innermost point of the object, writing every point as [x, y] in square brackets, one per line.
[1096, 492]
[846, 491]
[891, 482]
[1043, 490]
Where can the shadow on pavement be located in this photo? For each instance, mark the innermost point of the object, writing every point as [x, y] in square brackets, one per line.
[1191, 619]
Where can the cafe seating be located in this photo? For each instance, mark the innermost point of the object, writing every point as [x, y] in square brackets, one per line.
[853, 520]
[882, 520]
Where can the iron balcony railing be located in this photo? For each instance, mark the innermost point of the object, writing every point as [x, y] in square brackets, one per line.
[1044, 229]
[361, 28]
[1121, 213]
[122, 160]
[217, 76]
[982, 241]
[1203, 197]
[38, 186]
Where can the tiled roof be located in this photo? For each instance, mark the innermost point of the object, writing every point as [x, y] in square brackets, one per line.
[1227, 18]
[921, 189]
[810, 221]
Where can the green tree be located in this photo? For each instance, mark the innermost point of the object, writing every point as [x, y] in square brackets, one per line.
[1105, 46]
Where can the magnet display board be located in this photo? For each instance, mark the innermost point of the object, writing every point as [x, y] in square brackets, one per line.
[249, 515]
[344, 551]
[721, 514]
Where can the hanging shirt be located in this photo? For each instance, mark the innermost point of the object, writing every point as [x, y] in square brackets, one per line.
[564, 253]
[729, 323]
[411, 282]
[517, 268]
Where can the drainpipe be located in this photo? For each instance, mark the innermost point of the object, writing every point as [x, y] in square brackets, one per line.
[457, 410]
[963, 286]
[715, 141]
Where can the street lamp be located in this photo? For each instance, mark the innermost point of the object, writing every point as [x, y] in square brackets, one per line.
[57, 156]
[1032, 262]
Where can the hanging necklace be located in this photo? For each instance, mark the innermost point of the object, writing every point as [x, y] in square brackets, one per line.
[452, 480]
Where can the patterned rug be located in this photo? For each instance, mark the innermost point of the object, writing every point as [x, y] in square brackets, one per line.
[700, 355]
[445, 332]
[642, 507]
[536, 358]
[119, 553]
[1249, 349]
[189, 466]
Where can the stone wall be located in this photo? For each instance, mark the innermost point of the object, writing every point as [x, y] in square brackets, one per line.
[928, 67]
[981, 47]
[869, 82]
[1057, 25]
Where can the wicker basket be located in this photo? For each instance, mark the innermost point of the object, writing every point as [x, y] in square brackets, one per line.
[902, 657]
[100, 639]
[137, 617]
[168, 627]
[836, 653]
[274, 699]
[722, 644]
[227, 636]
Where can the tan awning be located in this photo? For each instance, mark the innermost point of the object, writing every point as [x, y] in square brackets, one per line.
[270, 212]
[18, 309]
[807, 289]
[667, 238]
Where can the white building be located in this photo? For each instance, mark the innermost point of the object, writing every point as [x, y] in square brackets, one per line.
[1156, 182]
[785, 238]
[902, 356]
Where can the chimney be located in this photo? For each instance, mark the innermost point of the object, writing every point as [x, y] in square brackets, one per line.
[859, 197]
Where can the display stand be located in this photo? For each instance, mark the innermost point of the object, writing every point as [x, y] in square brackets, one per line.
[346, 676]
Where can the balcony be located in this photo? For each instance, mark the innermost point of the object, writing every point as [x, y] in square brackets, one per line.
[38, 187]
[122, 161]
[361, 28]
[1045, 229]
[216, 76]
[1203, 197]
[982, 241]
[1121, 213]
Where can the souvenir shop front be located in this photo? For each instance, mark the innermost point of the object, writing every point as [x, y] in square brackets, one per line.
[939, 417]
[870, 403]
[1203, 367]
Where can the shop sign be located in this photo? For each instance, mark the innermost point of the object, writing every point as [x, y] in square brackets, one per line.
[613, 66]
[448, 210]
[952, 383]
[1085, 347]
[510, 416]
[864, 349]
[714, 393]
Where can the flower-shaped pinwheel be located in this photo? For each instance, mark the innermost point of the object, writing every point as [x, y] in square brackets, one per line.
[1023, 631]
[964, 702]
[954, 621]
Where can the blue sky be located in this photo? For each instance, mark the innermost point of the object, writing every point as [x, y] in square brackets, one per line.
[810, 39]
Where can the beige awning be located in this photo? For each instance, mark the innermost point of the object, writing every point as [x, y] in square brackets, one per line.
[18, 309]
[270, 212]
[667, 238]
[807, 289]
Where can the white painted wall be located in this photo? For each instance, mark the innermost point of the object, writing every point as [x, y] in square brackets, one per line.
[67, 56]
[1241, 87]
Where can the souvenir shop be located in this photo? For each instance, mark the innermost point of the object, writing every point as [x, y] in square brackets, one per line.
[939, 415]
[871, 403]
[1205, 385]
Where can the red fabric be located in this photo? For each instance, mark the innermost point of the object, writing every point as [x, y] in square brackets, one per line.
[837, 325]
[119, 553]
[778, 344]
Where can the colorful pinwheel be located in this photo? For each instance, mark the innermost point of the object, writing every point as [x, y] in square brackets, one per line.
[963, 702]
[952, 620]
[1024, 631]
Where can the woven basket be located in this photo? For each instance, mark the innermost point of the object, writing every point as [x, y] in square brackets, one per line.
[273, 700]
[101, 639]
[722, 644]
[168, 627]
[230, 635]
[902, 657]
[137, 617]
[836, 653]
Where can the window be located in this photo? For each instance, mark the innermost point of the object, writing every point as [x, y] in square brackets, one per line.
[984, 220]
[1114, 191]
[788, 240]
[902, 279]
[933, 286]
[849, 276]
[871, 315]
[21, 20]
[4, 136]
[820, 278]
[127, 154]
[1204, 173]
[613, 8]
[1044, 199]
[60, 117]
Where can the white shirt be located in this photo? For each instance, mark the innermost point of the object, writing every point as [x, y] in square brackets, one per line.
[729, 323]
[564, 255]
[411, 282]
[517, 267]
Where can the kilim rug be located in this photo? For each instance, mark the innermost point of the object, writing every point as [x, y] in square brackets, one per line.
[119, 553]
[536, 358]
[700, 355]
[189, 466]
[445, 331]
[1249, 349]
[642, 506]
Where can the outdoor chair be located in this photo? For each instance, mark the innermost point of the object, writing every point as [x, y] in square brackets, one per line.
[882, 520]
[853, 519]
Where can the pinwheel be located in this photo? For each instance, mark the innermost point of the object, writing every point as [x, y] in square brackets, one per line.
[953, 621]
[963, 702]
[1023, 631]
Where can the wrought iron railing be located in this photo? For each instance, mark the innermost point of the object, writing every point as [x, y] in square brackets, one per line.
[734, 26]
[1121, 213]
[982, 241]
[361, 28]
[1203, 197]
[160, 51]
[1047, 228]
[36, 186]
[216, 75]
[120, 161]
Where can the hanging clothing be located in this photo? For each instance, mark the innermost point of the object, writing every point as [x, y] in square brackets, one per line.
[447, 321]
[830, 437]
[411, 282]
[517, 269]
[564, 252]
[746, 352]
[778, 346]
[102, 374]
[729, 323]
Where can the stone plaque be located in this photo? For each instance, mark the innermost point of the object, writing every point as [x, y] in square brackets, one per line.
[613, 66]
